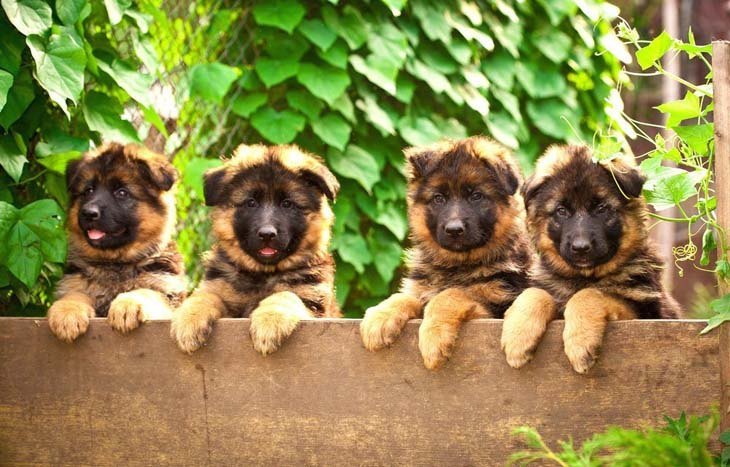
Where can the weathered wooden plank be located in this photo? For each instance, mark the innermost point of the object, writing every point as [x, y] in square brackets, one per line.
[721, 115]
[323, 399]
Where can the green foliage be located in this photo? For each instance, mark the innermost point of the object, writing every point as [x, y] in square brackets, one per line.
[355, 82]
[681, 441]
[52, 55]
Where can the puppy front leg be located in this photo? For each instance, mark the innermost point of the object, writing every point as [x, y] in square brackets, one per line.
[69, 316]
[130, 309]
[193, 321]
[384, 322]
[524, 325]
[275, 319]
[586, 315]
[442, 319]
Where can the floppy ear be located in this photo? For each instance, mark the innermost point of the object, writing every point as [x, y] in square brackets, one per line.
[532, 186]
[213, 187]
[507, 177]
[321, 177]
[630, 180]
[72, 172]
[418, 160]
[162, 173]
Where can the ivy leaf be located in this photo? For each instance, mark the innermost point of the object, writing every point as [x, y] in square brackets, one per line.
[681, 109]
[11, 48]
[343, 105]
[671, 191]
[24, 258]
[282, 14]
[343, 278]
[353, 249]
[274, 71]
[69, 11]
[697, 137]
[333, 130]
[404, 89]
[318, 33]
[721, 306]
[550, 115]
[357, 164]
[388, 250]
[305, 103]
[324, 81]
[473, 98]
[503, 129]
[553, 43]
[193, 175]
[279, 44]
[647, 56]
[19, 98]
[45, 218]
[12, 156]
[540, 80]
[336, 55]
[29, 16]
[388, 44]
[278, 127]
[115, 9]
[6, 82]
[709, 245]
[380, 72]
[59, 64]
[349, 25]
[433, 21]
[435, 80]
[211, 81]
[245, 105]
[418, 131]
[103, 114]
[509, 101]
[500, 69]
[136, 84]
[393, 218]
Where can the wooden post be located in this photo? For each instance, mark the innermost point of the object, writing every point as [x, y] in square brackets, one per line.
[721, 86]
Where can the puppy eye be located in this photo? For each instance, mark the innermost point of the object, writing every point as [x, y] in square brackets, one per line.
[88, 191]
[603, 207]
[476, 196]
[286, 204]
[250, 203]
[121, 193]
[438, 198]
[561, 211]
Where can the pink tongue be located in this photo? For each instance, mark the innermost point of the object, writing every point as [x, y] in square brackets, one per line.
[96, 234]
[268, 251]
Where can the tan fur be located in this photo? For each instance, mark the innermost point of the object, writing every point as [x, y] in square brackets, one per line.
[275, 319]
[130, 309]
[384, 322]
[525, 322]
[69, 316]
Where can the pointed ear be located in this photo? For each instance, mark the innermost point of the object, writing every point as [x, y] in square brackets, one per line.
[321, 177]
[532, 187]
[630, 180]
[72, 172]
[213, 186]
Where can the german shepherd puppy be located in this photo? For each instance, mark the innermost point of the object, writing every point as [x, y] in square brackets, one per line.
[272, 220]
[122, 263]
[470, 254]
[588, 222]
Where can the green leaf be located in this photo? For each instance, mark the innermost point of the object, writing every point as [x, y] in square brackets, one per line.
[393, 217]
[335, 55]
[504, 129]
[509, 102]
[500, 69]
[697, 137]
[388, 44]
[305, 103]
[103, 115]
[245, 105]
[396, 6]
[273, 71]
[553, 43]
[318, 33]
[404, 89]
[211, 81]
[473, 98]
[278, 127]
[115, 9]
[193, 174]
[146, 52]
[6, 82]
[682, 109]
[435, 80]
[333, 130]
[380, 72]
[343, 278]
[550, 115]
[19, 98]
[279, 44]
[45, 218]
[136, 84]
[29, 16]
[540, 80]
[721, 306]
[388, 250]
[418, 131]
[58, 148]
[69, 11]
[349, 25]
[433, 20]
[11, 48]
[671, 191]
[357, 164]
[709, 245]
[24, 258]
[12, 157]
[59, 64]
[343, 105]
[282, 14]
[437, 58]
[353, 249]
[647, 56]
[326, 82]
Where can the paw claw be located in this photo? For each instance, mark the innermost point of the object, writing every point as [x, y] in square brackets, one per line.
[581, 357]
[125, 313]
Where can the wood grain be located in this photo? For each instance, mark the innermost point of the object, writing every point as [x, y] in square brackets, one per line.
[721, 116]
[323, 399]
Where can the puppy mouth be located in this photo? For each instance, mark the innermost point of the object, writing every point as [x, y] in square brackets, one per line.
[96, 235]
[268, 252]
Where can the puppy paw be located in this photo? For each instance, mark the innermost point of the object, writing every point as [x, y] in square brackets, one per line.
[126, 312]
[190, 329]
[581, 351]
[69, 319]
[518, 352]
[519, 341]
[381, 326]
[436, 343]
[274, 320]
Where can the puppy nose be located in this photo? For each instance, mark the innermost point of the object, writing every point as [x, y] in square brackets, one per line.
[454, 228]
[91, 212]
[267, 232]
[580, 245]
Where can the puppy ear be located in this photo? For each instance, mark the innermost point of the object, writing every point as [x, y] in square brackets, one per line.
[507, 177]
[321, 177]
[418, 160]
[532, 187]
[72, 172]
[164, 174]
[213, 186]
[630, 180]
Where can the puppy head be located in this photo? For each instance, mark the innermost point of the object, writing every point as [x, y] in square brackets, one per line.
[271, 207]
[586, 217]
[122, 202]
[462, 201]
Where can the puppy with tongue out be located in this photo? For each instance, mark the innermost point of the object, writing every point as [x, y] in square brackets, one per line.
[272, 219]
